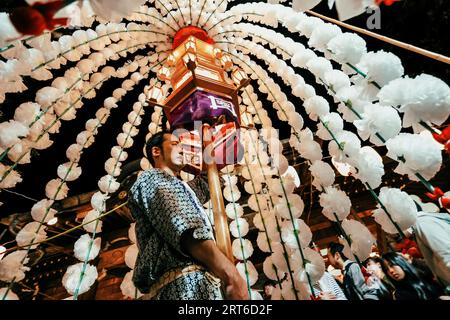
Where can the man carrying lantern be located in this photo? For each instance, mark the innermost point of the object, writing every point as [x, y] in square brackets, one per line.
[178, 258]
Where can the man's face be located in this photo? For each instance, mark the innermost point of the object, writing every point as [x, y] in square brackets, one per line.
[171, 152]
[332, 260]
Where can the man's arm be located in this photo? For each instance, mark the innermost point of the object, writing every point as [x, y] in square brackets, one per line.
[206, 252]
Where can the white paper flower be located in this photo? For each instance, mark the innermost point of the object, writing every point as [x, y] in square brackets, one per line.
[304, 234]
[69, 171]
[333, 123]
[323, 174]
[322, 35]
[131, 255]
[42, 211]
[270, 270]
[290, 207]
[361, 239]
[247, 271]
[231, 194]
[94, 225]
[424, 98]
[314, 266]
[381, 67]
[319, 66]
[420, 152]
[334, 201]
[243, 226]
[72, 278]
[316, 107]
[244, 252]
[12, 266]
[20, 152]
[337, 80]
[73, 152]
[119, 153]
[347, 48]
[400, 207]
[349, 145]
[27, 112]
[124, 140]
[84, 245]
[108, 184]
[115, 10]
[370, 167]
[56, 189]
[308, 148]
[30, 234]
[128, 288]
[11, 179]
[10, 133]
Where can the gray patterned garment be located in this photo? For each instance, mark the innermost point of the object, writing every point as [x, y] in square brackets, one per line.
[165, 208]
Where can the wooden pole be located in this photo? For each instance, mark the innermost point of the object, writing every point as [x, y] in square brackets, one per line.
[220, 218]
[409, 47]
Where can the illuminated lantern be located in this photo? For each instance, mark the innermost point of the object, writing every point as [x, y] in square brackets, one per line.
[164, 73]
[171, 60]
[155, 94]
[218, 53]
[226, 61]
[239, 76]
[190, 45]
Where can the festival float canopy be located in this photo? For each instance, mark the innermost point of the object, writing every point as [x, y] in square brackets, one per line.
[344, 108]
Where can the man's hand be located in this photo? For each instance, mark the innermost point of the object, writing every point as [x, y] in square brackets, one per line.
[327, 295]
[236, 289]
[207, 253]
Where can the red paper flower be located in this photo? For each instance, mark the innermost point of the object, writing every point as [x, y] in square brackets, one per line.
[445, 202]
[35, 19]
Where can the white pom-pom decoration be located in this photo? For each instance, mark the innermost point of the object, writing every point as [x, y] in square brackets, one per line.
[244, 252]
[30, 234]
[361, 239]
[42, 211]
[127, 287]
[71, 279]
[94, 225]
[56, 189]
[250, 273]
[322, 173]
[399, 205]
[12, 266]
[108, 184]
[243, 226]
[85, 244]
[334, 201]
[304, 234]
[69, 171]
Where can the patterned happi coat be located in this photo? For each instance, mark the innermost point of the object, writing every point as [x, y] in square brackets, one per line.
[164, 208]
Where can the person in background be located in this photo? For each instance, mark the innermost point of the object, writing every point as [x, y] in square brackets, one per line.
[378, 279]
[432, 234]
[406, 280]
[268, 288]
[328, 289]
[355, 287]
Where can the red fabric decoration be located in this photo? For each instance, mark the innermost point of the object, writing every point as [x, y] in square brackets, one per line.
[445, 202]
[437, 193]
[410, 247]
[35, 19]
[444, 137]
[186, 32]
[386, 2]
[447, 147]
[315, 298]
